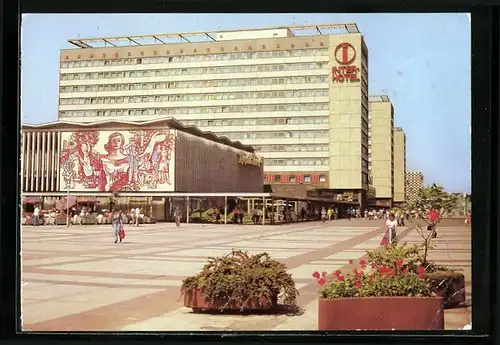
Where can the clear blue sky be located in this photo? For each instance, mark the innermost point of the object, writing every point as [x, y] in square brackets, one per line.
[422, 61]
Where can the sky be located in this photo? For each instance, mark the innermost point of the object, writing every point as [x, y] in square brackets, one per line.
[422, 61]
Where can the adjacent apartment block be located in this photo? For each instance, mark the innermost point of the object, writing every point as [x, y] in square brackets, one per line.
[297, 94]
[399, 166]
[414, 185]
[381, 148]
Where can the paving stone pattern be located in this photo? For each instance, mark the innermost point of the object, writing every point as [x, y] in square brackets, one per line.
[77, 279]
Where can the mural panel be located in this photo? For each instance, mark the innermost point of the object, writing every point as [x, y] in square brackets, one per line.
[112, 161]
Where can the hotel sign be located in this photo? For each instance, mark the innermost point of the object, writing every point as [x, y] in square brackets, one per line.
[345, 55]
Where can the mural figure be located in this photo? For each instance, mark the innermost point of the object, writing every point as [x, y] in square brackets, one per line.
[107, 162]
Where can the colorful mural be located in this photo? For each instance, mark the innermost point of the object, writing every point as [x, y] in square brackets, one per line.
[117, 161]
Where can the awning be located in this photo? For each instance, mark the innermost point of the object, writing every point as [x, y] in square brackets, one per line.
[32, 201]
[87, 201]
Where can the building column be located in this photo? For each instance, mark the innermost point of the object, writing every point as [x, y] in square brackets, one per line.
[187, 209]
[225, 210]
[264, 210]
[272, 211]
[248, 205]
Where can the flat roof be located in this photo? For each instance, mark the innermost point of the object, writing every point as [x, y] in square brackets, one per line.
[189, 37]
[379, 98]
[170, 122]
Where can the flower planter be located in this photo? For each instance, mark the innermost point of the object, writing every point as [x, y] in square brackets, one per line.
[450, 286]
[194, 299]
[381, 313]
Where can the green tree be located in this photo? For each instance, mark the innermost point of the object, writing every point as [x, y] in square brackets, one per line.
[432, 198]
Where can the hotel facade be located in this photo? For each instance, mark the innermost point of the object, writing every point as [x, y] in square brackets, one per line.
[298, 95]
[381, 149]
[399, 166]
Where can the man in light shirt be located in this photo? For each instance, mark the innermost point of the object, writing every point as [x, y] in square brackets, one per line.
[36, 214]
[137, 214]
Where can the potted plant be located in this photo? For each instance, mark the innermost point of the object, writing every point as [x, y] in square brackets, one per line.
[239, 281]
[378, 298]
[443, 281]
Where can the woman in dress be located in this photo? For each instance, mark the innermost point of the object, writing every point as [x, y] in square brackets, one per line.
[391, 225]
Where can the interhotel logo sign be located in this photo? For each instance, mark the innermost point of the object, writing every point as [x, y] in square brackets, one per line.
[345, 55]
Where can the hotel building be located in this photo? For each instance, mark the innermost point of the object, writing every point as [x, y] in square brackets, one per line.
[414, 185]
[381, 149]
[297, 94]
[399, 166]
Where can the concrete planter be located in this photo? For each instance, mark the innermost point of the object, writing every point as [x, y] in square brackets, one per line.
[195, 300]
[381, 313]
[450, 286]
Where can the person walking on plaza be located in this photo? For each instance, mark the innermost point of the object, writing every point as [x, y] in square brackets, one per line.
[259, 215]
[323, 215]
[391, 225]
[241, 214]
[303, 213]
[36, 215]
[177, 216]
[217, 215]
[117, 224]
[132, 216]
[235, 215]
[329, 214]
[254, 216]
[137, 215]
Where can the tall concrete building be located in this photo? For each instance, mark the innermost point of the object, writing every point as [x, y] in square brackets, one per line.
[414, 185]
[381, 148]
[399, 166]
[297, 94]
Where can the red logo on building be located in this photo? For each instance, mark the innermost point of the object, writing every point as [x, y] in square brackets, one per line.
[345, 54]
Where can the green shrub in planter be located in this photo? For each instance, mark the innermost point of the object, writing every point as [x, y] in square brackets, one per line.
[239, 277]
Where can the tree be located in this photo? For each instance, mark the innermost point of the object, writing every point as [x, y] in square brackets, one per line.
[433, 203]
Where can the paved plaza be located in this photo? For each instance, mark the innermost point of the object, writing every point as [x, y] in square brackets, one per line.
[77, 279]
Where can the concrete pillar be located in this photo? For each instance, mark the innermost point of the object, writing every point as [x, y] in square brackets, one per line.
[187, 209]
[248, 205]
[264, 210]
[225, 210]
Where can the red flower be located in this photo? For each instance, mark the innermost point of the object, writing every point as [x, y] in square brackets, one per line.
[357, 283]
[340, 277]
[323, 274]
[350, 261]
[362, 262]
[321, 281]
[421, 269]
[371, 277]
[399, 263]
[337, 273]
[405, 271]
[392, 272]
[421, 275]
[316, 275]
[384, 270]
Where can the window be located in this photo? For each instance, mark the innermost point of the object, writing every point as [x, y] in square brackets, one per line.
[277, 178]
[322, 178]
[307, 178]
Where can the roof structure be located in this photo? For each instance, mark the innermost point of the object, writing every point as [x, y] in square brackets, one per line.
[207, 36]
[170, 122]
[379, 98]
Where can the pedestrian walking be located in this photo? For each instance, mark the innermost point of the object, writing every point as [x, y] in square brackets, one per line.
[117, 224]
[329, 214]
[217, 215]
[36, 215]
[391, 226]
[323, 215]
[137, 212]
[177, 216]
